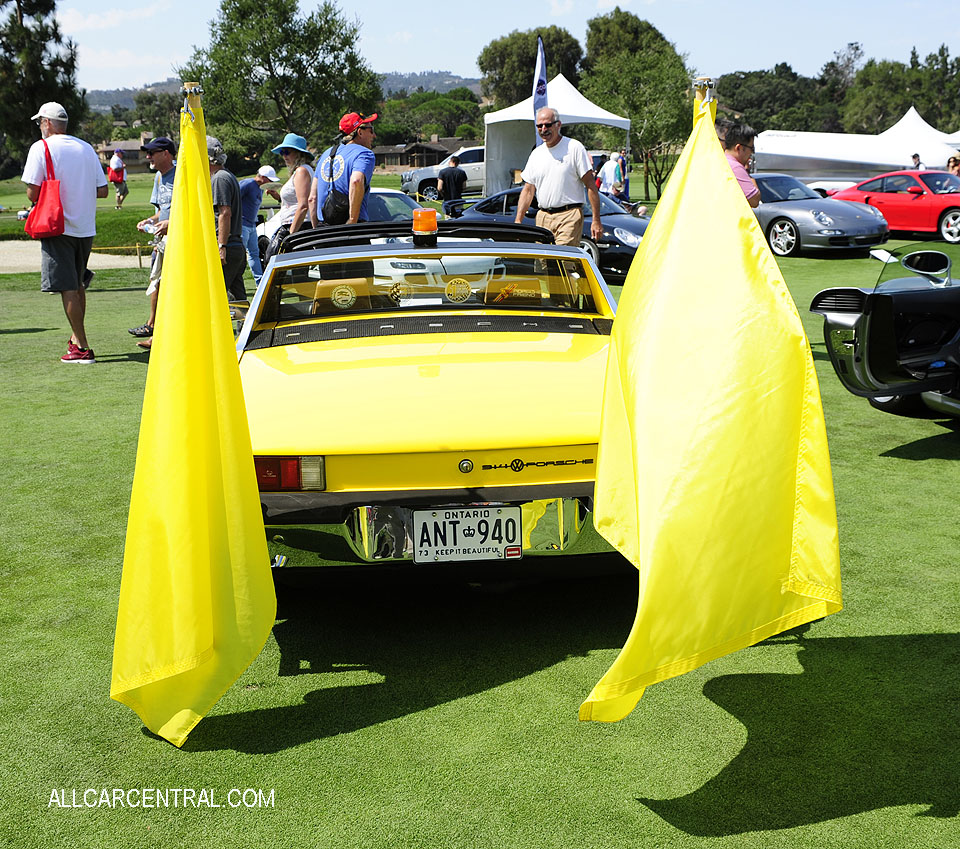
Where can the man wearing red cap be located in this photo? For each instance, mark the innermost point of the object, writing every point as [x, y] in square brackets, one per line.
[347, 169]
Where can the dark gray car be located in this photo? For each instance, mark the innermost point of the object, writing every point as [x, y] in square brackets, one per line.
[794, 217]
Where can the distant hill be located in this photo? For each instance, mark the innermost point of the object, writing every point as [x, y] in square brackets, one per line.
[101, 100]
[439, 81]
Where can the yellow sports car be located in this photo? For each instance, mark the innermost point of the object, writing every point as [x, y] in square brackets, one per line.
[434, 397]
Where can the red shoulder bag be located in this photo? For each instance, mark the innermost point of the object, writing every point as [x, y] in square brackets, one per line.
[46, 217]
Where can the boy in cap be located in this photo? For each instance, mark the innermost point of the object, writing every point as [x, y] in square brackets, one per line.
[251, 196]
[63, 259]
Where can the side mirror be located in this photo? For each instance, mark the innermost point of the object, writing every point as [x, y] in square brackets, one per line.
[933, 265]
[915, 190]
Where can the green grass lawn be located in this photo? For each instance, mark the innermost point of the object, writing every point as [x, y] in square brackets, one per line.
[445, 715]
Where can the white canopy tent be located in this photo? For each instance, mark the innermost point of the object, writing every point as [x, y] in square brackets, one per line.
[852, 156]
[510, 134]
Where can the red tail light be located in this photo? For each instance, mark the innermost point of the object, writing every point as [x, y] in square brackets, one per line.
[277, 473]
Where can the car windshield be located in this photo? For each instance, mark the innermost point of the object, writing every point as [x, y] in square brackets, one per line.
[941, 183]
[429, 281]
[783, 188]
[390, 207]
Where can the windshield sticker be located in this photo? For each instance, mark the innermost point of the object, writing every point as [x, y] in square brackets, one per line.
[458, 290]
[343, 297]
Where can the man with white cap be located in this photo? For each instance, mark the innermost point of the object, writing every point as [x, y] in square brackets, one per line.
[63, 259]
[251, 196]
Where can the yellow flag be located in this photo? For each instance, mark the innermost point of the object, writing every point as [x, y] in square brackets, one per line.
[197, 601]
[713, 476]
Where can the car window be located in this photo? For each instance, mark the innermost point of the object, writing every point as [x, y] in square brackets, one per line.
[785, 188]
[898, 183]
[390, 283]
[871, 185]
[468, 157]
[395, 207]
[941, 183]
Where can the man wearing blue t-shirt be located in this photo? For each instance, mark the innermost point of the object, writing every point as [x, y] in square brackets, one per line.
[350, 171]
[251, 196]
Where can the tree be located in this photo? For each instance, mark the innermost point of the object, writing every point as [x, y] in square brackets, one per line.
[631, 69]
[37, 64]
[159, 113]
[757, 96]
[507, 63]
[881, 92]
[270, 71]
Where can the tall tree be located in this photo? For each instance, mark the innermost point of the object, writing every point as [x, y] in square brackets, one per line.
[757, 96]
[37, 64]
[269, 70]
[159, 112]
[632, 70]
[507, 63]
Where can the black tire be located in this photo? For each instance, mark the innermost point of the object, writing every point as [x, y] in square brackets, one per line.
[262, 244]
[784, 237]
[910, 406]
[589, 247]
[428, 190]
[950, 225]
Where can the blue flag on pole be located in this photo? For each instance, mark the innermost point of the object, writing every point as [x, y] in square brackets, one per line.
[539, 86]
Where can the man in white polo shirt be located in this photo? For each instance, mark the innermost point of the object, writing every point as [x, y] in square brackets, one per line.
[63, 259]
[557, 172]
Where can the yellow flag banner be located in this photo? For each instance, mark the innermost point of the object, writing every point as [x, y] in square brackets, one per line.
[197, 601]
[713, 475]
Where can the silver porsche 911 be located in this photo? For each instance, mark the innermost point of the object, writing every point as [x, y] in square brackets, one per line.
[795, 218]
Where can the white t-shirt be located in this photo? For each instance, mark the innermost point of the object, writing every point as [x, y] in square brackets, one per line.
[557, 172]
[116, 163]
[80, 173]
[609, 174]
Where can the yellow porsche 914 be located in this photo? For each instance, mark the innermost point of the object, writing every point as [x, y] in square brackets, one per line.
[436, 398]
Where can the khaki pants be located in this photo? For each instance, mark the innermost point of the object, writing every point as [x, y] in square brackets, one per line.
[567, 227]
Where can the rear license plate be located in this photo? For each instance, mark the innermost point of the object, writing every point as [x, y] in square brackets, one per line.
[450, 534]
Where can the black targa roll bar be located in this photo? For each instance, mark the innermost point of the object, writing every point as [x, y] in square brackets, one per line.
[342, 235]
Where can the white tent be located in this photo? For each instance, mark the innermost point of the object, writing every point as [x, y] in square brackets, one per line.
[852, 156]
[510, 134]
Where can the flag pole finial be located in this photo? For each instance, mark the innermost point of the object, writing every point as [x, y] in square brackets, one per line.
[191, 97]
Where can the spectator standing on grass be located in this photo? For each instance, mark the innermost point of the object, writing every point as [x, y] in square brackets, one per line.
[63, 259]
[160, 154]
[611, 178]
[351, 169]
[295, 193]
[624, 173]
[251, 196]
[738, 146]
[228, 215]
[450, 182]
[119, 168]
[556, 172]
[917, 164]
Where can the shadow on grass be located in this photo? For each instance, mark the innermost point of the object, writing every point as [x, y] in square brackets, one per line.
[429, 644]
[872, 722]
[27, 330]
[941, 446]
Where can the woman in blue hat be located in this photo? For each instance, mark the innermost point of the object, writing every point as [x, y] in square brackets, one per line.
[295, 192]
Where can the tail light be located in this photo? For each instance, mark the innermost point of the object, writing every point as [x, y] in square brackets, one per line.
[285, 474]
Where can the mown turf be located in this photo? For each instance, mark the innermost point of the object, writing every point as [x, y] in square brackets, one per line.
[446, 715]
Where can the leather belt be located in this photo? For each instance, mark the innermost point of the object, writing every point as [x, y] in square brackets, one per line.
[555, 209]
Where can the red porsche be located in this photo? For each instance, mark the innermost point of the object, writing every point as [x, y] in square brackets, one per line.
[915, 201]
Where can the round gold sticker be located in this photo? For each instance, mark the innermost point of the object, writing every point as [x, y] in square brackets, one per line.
[343, 297]
[400, 291]
[458, 290]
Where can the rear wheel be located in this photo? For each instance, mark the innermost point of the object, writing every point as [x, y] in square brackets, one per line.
[428, 190]
[784, 238]
[950, 226]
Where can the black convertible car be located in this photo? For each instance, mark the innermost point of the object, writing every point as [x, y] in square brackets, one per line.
[898, 344]
[622, 232]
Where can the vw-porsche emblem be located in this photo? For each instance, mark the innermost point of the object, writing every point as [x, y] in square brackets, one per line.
[517, 465]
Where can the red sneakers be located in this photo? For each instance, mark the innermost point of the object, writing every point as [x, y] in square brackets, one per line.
[76, 354]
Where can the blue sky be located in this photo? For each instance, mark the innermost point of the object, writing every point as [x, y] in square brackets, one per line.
[125, 45]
